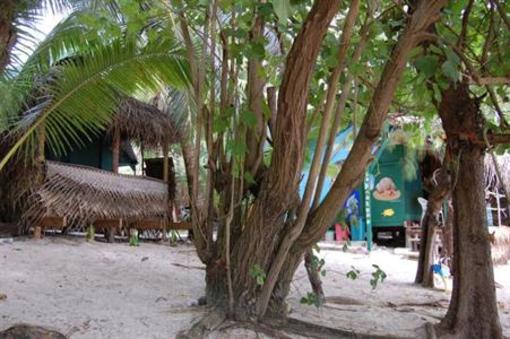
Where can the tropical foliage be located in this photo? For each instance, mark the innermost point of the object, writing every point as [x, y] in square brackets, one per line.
[73, 81]
[261, 81]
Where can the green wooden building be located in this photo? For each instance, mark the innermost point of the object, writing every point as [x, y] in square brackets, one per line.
[390, 201]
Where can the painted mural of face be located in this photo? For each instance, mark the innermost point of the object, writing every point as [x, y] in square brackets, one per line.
[386, 190]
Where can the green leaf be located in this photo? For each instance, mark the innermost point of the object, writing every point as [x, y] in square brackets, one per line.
[450, 67]
[265, 10]
[249, 178]
[427, 65]
[352, 275]
[256, 50]
[238, 149]
[249, 118]
[220, 124]
[282, 8]
[258, 274]
[450, 71]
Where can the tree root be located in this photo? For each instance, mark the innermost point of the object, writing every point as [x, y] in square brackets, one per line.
[312, 330]
[189, 267]
[204, 326]
[216, 325]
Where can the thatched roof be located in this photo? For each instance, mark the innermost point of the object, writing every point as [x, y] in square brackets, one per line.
[145, 123]
[85, 194]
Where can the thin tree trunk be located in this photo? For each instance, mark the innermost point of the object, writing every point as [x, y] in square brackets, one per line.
[115, 150]
[428, 227]
[314, 277]
[7, 32]
[277, 192]
[313, 274]
[473, 312]
[191, 148]
[428, 250]
[255, 135]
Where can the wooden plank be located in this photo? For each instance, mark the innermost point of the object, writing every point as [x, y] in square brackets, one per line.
[52, 222]
[183, 225]
[157, 224]
[148, 224]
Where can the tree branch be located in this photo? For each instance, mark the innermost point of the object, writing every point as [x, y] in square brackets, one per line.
[281, 182]
[502, 13]
[360, 155]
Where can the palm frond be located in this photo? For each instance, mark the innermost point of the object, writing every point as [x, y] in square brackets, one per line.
[25, 16]
[83, 94]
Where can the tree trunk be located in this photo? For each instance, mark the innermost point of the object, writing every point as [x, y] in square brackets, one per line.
[271, 245]
[447, 239]
[428, 227]
[7, 32]
[313, 276]
[473, 311]
[315, 168]
[266, 220]
[360, 154]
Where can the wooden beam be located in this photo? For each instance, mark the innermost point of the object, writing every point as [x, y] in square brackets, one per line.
[496, 139]
[115, 150]
[157, 224]
[52, 222]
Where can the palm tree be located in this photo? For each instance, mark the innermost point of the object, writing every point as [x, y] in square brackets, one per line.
[69, 86]
[19, 18]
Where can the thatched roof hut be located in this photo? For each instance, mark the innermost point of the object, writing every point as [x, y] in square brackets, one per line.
[145, 124]
[83, 194]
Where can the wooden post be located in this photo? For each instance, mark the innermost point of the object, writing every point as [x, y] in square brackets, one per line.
[368, 211]
[142, 157]
[115, 150]
[38, 232]
[165, 162]
[165, 179]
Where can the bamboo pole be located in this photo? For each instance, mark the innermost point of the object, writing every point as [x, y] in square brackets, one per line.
[115, 150]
